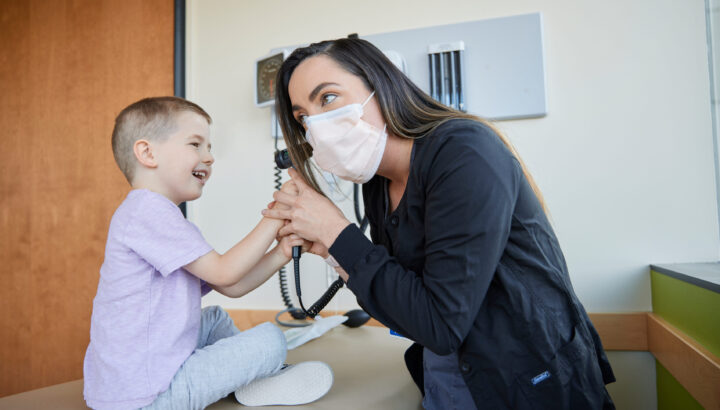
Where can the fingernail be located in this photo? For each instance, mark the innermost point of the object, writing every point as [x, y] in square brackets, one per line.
[263, 212]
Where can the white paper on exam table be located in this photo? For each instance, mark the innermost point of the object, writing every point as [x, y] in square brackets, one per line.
[298, 336]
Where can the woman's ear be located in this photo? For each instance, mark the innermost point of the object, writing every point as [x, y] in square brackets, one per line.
[144, 153]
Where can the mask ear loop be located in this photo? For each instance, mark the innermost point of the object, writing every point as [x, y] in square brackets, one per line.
[368, 99]
[365, 103]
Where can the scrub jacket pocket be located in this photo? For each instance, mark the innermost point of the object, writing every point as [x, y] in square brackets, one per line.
[574, 367]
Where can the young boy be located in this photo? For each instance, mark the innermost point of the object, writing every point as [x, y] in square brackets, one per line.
[151, 344]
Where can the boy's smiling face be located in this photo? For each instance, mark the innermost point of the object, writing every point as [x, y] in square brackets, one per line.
[184, 161]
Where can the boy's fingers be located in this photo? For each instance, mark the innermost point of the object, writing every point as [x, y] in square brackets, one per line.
[276, 214]
[285, 230]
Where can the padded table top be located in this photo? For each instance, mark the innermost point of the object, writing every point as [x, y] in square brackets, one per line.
[367, 363]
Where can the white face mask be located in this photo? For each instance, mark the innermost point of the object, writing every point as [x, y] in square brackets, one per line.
[344, 144]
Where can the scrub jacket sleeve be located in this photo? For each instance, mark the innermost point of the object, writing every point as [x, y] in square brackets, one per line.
[471, 184]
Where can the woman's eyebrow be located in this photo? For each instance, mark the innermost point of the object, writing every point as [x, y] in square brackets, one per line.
[317, 89]
[314, 94]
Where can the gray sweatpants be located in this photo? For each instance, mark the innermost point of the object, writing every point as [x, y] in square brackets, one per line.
[224, 360]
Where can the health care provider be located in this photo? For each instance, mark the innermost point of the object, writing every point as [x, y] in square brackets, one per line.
[463, 260]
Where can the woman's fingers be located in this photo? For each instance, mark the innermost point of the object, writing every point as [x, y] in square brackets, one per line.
[289, 187]
[284, 198]
[298, 179]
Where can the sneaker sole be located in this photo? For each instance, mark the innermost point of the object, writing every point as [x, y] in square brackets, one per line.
[298, 384]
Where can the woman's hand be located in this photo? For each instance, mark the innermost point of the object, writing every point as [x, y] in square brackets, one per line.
[312, 216]
[317, 248]
[288, 187]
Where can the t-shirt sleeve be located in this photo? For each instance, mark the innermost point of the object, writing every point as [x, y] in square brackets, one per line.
[205, 288]
[161, 235]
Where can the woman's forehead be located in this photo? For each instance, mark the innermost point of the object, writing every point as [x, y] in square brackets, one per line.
[316, 70]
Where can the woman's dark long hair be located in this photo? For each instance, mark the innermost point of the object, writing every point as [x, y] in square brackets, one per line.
[407, 110]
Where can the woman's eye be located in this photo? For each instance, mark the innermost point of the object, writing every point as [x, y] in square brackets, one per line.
[195, 144]
[328, 98]
[301, 119]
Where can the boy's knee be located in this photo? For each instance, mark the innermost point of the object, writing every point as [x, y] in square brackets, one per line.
[275, 339]
[275, 335]
[214, 311]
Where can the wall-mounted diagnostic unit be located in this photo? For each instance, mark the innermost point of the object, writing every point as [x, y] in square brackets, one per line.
[494, 68]
[266, 69]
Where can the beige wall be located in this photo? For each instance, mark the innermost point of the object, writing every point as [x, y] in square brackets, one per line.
[624, 156]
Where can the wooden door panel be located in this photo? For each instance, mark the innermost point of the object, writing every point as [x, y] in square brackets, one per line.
[67, 67]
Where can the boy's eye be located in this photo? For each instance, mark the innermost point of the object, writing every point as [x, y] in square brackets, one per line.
[195, 144]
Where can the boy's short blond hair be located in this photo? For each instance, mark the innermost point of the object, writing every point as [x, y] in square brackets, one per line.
[152, 119]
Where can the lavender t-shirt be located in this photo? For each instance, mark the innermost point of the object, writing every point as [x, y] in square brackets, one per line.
[146, 313]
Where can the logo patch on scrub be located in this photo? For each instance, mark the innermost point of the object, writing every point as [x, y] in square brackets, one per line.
[394, 333]
[540, 377]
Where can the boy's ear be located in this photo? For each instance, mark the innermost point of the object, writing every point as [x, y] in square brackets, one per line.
[144, 153]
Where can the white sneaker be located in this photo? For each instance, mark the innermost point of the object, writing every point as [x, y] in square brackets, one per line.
[294, 384]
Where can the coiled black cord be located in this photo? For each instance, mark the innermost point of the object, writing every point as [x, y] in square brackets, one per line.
[361, 220]
[303, 313]
[282, 279]
[324, 299]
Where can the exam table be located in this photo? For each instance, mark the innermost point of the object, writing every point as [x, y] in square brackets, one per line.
[367, 363]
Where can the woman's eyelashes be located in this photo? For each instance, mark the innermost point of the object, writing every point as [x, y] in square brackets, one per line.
[326, 99]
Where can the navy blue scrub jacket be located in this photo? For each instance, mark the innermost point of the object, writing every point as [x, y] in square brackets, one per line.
[469, 263]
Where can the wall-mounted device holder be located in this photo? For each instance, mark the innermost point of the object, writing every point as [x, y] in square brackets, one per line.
[503, 62]
[446, 74]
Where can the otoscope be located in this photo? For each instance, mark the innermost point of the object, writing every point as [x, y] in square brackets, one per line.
[356, 317]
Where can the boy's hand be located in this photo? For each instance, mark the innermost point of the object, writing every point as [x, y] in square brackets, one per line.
[289, 241]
